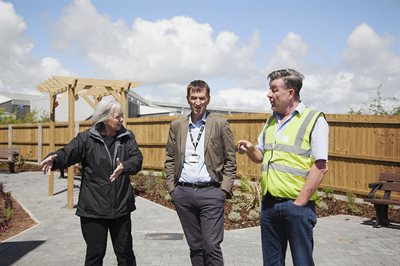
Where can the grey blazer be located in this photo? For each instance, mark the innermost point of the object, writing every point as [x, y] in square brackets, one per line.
[219, 149]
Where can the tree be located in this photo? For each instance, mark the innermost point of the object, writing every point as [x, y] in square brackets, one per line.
[377, 106]
[29, 118]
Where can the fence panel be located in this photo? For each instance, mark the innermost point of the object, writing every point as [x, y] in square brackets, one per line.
[360, 146]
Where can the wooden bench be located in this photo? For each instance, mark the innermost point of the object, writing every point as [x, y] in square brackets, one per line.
[9, 155]
[388, 182]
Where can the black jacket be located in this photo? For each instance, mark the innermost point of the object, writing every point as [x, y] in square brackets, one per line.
[98, 196]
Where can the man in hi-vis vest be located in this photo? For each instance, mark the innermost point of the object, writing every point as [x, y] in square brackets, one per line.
[293, 152]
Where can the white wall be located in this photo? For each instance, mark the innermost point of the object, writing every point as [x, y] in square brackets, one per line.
[82, 109]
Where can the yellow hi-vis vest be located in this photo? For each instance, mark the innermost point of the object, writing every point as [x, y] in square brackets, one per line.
[287, 160]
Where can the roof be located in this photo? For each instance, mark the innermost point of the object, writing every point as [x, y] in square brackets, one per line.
[134, 97]
[11, 96]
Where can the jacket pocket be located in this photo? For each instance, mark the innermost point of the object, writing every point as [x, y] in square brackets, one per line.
[97, 199]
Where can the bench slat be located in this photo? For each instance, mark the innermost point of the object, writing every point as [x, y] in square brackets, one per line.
[383, 201]
[394, 177]
[389, 186]
[8, 152]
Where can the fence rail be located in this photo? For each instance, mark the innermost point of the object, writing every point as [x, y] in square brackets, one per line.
[360, 146]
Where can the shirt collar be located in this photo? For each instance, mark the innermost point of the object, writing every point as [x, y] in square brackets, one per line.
[199, 123]
[298, 110]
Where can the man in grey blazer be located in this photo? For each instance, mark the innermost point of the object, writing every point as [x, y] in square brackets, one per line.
[200, 167]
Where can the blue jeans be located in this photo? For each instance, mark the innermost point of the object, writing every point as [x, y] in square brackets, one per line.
[282, 221]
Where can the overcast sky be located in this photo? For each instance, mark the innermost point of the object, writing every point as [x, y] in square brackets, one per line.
[345, 49]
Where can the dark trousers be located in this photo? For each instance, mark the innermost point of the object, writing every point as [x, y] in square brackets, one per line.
[283, 222]
[201, 212]
[95, 233]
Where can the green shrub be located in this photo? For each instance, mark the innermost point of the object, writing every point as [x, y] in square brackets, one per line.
[9, 213]
[328, 193]
[253, 215]
[236, 207]
[322, 205]
[351, 203]
[166, 196]
[251, 192]
[234, 216]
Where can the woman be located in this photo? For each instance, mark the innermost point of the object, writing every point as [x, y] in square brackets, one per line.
[109, 154]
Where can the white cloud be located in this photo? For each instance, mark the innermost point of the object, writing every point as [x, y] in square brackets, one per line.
[368, 53]
[367, 62]
[177, 50]
[238, 98]
[166, 54]
[20, 70]
[290, 53]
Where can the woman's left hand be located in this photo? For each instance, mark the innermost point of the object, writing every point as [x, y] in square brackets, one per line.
[118, 170]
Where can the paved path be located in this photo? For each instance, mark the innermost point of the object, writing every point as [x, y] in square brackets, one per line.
[56, 239]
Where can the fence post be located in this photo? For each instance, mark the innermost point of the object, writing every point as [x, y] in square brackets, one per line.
[39, 145]
[9, 136]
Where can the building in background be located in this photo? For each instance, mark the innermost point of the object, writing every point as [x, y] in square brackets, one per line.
[137, 106]
[18, 103]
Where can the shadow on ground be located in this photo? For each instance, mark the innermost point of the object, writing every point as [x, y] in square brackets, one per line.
[10, 252]
[371, 222]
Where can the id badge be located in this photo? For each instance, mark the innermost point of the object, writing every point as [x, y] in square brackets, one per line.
[194, 158]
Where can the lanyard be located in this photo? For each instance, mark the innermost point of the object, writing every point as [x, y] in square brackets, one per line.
[198, 137]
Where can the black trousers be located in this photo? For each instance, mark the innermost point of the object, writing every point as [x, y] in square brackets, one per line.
[95, 233]
[201, 212]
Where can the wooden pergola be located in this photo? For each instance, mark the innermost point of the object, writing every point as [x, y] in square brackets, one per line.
[92, 91]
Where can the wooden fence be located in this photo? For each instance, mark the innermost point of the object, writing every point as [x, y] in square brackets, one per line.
[360, 146]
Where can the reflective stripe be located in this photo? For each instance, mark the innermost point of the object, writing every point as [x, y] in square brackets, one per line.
[303, 128]
[296, 148]
[264, 167]
[288, 148]
[269, 121]
[285, 169]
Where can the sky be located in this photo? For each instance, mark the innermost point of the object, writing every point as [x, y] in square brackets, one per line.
[346, 49]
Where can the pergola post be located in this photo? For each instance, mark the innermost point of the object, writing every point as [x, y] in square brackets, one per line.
[124, 104]
[52, 134]
[71, 131]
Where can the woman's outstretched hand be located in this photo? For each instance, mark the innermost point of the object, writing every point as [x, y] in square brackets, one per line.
[47, 164]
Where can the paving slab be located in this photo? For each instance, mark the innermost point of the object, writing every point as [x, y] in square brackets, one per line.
[56, 239]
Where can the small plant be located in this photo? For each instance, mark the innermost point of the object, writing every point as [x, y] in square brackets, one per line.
[253, 215]
[20, 161]
[322, 205]
[6, 201]
[166, 196]
[234, 216]
[236, 207]
[250, 192]
[328, 193]
[9, 213]
[351, 203]
[142, 182]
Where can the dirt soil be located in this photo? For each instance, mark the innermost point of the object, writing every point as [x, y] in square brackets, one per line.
[22, 221]
[19, 222]
[333, 207]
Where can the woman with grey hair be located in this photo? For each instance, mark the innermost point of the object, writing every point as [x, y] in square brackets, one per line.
[108, 153]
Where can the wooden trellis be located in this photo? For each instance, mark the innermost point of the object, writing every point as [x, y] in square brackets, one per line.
[92, 91]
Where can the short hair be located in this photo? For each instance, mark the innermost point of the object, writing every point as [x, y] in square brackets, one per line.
[291, 78]
[196, 86]
[104, 110]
